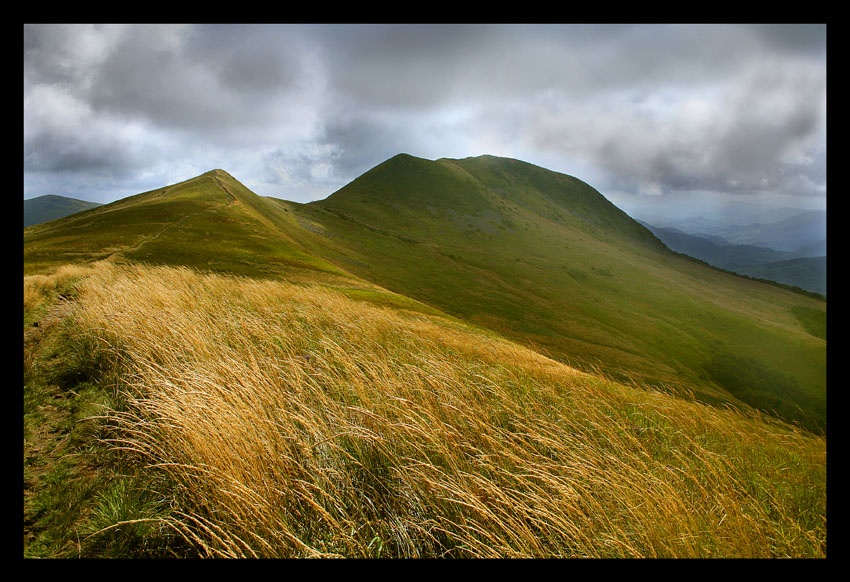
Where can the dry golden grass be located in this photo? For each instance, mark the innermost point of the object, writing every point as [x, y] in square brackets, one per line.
[295, 422]
[40, 290]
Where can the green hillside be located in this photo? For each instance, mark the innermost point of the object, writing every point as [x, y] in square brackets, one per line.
[535, 255]
[210, 222]
[546, 259]
[804, 272]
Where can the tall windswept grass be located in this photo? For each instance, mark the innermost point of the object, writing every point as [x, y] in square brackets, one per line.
[295, 422]
[40, 290]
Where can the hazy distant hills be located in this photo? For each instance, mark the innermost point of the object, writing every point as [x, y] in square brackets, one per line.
[792, 230]
[803, 233]
[51, 207]
[764, 257]
[534, 255]
[784, 229]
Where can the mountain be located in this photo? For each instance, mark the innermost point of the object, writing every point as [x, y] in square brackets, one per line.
[210, 222]
[805, 272]
[790, 234]
[802, 232]
[51, 207]
[715, 250]
[534, 255]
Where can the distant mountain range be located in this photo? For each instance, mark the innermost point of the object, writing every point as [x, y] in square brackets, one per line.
[779, 228]
[803, 233]
[51, 207]
[533, 255]
[791, 250]
[788, 246]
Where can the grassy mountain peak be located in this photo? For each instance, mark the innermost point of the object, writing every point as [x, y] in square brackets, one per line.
[210, 222]
[485, 191]
[537, 256]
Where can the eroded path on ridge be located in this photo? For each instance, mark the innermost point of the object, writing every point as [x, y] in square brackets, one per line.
[230, 201]
[45, 425]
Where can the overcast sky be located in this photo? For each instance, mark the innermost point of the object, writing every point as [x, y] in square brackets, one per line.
[646, 114]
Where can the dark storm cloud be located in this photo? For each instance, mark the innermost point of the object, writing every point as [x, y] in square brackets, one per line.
[48, 152]
[254, 59]
[215, 78]
[170, 100]
[656, 108]
[406, 66]
[299, 110]
[358, 141]
[793, 38]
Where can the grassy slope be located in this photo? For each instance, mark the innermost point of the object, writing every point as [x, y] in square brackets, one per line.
[210, 222]
[807, 273]
[538, 256]
[401, 434]
[544, 259]
[257, 418]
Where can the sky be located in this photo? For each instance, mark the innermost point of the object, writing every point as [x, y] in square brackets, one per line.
[656, 117]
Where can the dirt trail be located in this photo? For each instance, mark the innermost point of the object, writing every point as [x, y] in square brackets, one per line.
[44, 438]
[56, 313]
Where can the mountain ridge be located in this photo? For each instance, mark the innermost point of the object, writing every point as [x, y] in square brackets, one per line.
[500, 275]
[481, 187]
[548, 261]
[799, 231]
[52, 206]
[789, 268]
[789, 234]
